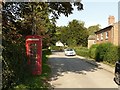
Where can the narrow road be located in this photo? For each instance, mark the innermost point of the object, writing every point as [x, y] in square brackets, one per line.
[73, 72]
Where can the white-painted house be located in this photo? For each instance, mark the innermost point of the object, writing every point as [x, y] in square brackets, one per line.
[59, 44]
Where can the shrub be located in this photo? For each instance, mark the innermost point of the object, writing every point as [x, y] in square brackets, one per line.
[119, 52]
[105, 52]
[101, 51]
[82, 51]
[57, 48]
[13, 64]
[111, 56]
[92, 51]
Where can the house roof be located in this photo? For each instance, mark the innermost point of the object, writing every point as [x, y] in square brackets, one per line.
[59, 43]
[91, 37]
[110, 26]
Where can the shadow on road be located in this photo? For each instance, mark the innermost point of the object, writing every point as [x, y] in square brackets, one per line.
[67, 64]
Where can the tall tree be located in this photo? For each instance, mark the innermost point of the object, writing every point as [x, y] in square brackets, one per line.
[93, 29]
[74, 33]
[77, 33]
[21, 19]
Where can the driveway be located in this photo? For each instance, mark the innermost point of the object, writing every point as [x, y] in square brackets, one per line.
[73, 72]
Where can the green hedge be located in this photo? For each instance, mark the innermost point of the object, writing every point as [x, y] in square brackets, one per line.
[101, 51]
[82, 51]
[119, 52]
[13, 64]
[57, 48]
[92, 51]
[106, 52]
[111, 56]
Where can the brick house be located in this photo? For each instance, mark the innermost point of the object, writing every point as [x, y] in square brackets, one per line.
[109, 33]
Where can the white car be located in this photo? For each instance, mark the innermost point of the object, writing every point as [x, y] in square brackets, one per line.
[70, 52]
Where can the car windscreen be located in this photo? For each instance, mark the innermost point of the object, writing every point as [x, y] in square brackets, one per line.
[69, 50]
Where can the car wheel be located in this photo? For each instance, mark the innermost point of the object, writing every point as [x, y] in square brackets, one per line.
[117, 78]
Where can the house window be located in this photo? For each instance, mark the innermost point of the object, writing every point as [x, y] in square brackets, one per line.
[97, 37]
[101, 36]
[107, 35]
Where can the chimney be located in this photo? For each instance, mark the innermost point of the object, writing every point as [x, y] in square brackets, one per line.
[111, 20]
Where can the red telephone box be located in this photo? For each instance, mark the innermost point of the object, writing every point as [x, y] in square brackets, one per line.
[34, 53]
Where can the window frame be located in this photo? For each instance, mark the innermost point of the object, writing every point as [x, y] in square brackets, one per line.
[107, 35]
[102, 36]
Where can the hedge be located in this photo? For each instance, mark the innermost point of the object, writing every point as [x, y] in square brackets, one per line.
[119, 52]
[57, 48]
[82, 51]
[106, 52]
[112, 55]
[92, 51]
[101, 51]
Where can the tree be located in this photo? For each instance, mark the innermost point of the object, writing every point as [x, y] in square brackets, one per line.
[93, 29]
[19, 20]
[74, 33]
[77, 32]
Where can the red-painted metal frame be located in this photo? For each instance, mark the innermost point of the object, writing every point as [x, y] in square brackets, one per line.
[35, 39]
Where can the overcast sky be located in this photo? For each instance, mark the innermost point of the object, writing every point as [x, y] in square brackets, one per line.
[95, 12]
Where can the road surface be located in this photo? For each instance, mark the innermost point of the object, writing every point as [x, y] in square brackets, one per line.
[73, 72]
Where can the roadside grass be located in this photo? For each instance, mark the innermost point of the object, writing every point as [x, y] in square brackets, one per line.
[39, 82]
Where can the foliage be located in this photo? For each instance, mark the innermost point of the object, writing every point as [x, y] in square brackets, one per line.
[38, 17]
[93, 29]
[57, 48]
[111, 56]
[82, 51]
[92, 51]
[20, 19]
[40, 81]
[101, 50]
[105, 52]
[58, 8]
[74, 34]
[119, 52]
[13, 63]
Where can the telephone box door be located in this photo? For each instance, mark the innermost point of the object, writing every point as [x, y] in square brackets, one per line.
[34, 53]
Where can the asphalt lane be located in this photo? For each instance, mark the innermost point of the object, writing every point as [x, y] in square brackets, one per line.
[73, 72]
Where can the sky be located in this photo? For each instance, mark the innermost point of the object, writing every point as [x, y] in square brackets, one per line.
[95, 12]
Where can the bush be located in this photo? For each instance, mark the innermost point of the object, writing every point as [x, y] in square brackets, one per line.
[13, 64]
[106, 52]
[92, 51]
[57, 48]
[111, 56]
[82, 51]
[119, 52]
[101, 51]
